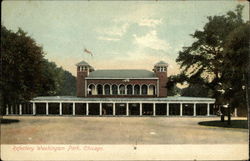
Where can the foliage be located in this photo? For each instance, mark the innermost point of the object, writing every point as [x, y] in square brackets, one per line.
[25, 73]
[207, 63]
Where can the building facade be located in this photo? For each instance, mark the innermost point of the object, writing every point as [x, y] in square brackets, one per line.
[118, 93]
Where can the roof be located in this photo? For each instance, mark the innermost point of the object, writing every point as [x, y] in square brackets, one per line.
[173, 99]
[82, 63]
[161, 63]
[122, 73]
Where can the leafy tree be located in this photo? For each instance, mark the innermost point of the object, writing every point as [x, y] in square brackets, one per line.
[25, 73]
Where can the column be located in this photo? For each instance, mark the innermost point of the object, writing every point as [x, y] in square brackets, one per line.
[113, 104]
[208, 110]
[11, 109]
[20, 109]
[167, 109]
[153, 109]
[34, 108]
[7, 109]
[235, 112]
[127, 109]
[100, 109]
[47, 108]
[180, 109]
[194, 114]
[140, 109]
[87, 109]
[74, 108]
[60, 108]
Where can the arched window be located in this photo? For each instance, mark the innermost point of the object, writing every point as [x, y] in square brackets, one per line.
[129, 89]
[99, 89]
[151, 90]
[114, 89]
[122, 89]
[144, 89]
[91, 89]
[107, 89]
[136, 89]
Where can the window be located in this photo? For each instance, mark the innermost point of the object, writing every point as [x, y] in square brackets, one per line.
[136, 89]
[114, 89]
[144, 89]
[91, 89]
[129, 89]
[122, 89]
[107, 89]
[99, 89]
[152, 90]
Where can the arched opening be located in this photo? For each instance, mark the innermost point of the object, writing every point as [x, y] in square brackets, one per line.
[144, 89]
[107, 89]
[129, 89]
[99, 89]
[136, 89]
[151, 90]
[91, 89]
[121, 89]
[114, 89]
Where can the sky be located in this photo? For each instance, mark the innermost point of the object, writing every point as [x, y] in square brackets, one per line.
[121, 35]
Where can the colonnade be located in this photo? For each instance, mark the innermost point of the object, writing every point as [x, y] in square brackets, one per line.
[128, 107]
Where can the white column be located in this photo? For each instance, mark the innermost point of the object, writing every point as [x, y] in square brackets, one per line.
[113, 104]
[11, 109]
[133, 91]
[140, 90]
[34, 108]
[235, 112]
[7, 109]
[47, 108]
[167, 109]
[140, 109]
[60, 108]
[180, 109]
[20, 109]
[194, 114]
[100, 109]
[74, 108]
[208, 109]
[127, 109]
[153, 109]
[87, 109]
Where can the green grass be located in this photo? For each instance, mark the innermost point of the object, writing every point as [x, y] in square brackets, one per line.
[241, 124]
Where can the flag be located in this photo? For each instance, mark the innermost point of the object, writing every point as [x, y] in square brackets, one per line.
[88, 52]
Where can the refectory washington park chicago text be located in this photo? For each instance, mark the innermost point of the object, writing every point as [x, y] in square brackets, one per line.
[118, 93]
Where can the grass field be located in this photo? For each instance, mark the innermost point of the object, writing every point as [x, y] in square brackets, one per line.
[119, 130]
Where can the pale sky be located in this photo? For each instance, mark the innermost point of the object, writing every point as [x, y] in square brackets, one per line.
[121, 35]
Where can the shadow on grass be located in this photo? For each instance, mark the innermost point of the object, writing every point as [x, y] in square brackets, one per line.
[240, 124]
[8, 121]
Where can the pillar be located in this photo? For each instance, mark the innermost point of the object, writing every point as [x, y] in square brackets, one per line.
[194, 114]
[20, 109]
[127, 109]
[180, 109]
[60, 108]
[208, 110]
[87, 109]
[7, 110]
[74, 108]
[113, 104]
[47, 108]
[140, 109]
[34, 108]
[153, 109]
[167, 109]
[100, 109]
[235, 112]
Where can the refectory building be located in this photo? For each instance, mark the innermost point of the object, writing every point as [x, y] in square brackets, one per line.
[118, 93]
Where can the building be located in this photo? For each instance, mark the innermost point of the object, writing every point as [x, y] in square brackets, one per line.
[118, 93]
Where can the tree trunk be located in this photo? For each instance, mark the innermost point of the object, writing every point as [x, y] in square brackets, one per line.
[222, 117]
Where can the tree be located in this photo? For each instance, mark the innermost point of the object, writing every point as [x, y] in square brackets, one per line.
[202, 61]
